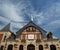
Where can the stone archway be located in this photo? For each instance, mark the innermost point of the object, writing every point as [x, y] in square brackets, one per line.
[40, 47]
[10, 47]
[52, 47]
[21, 47]
[30, 47]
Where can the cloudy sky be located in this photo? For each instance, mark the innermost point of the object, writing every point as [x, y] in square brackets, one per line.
[46, 14]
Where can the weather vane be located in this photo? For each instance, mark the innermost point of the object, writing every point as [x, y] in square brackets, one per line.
[32, 18]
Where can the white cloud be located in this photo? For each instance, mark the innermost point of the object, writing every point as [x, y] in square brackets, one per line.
[3, 21]
[10, 11]
[54, 37]
[53, 17]
[16, 26]
[49, 15]
[53, 25]
[13, 13]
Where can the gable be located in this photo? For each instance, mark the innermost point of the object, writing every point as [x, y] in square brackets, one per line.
[30, 26]
[31, 32]
[30, 29]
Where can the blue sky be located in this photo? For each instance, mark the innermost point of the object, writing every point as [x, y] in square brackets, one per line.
[46, 14]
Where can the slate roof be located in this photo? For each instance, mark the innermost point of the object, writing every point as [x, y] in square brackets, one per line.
[31, 23]
[6, 28]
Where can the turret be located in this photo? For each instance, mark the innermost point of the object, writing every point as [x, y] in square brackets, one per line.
[49, 35]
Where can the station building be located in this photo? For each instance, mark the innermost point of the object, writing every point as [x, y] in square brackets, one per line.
[30, 37]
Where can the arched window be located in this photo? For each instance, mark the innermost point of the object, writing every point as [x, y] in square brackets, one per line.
[40, 47]
[1, 47]
[21, 47]
[52, 47]
[31, 47]
[10, 47]
[31, 29]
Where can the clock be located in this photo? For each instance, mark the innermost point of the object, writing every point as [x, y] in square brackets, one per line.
[30, 36]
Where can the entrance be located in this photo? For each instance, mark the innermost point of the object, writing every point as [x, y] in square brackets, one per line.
[10, 47]
[52, 47]
[40, 47]
[31, 47]
[21, 47]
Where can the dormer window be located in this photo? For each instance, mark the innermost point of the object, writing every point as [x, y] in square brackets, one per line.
[49, 35]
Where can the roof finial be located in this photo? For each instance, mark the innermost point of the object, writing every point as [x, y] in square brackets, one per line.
[32, 18]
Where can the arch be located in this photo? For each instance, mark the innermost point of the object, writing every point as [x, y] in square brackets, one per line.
[10, 47]
[31, 47]
[21, 47]
[52, 47]
[40, 47]
[2, 47]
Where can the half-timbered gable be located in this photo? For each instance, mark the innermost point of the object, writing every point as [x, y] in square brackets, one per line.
[31, 30]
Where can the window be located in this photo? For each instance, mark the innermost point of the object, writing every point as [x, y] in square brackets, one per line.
[21, 47]
[23, 36]
[10, 47]
[4, 38]
[38, 36]
[52, 47]
[31, 47]
[1, 47]
[28, 29]
[31, 29]
[40, 47]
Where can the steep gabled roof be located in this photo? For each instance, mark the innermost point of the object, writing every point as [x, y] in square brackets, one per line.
[31, 24]
[6, 28]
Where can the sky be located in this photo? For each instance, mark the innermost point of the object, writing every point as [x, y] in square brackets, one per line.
[46, 14]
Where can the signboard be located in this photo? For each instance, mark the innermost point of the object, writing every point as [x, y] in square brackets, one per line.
[30, 36]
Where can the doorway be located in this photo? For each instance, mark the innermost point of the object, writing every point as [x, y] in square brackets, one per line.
[10, 47]
[21, 47]
[31, 47]
[40, 47]
[52, 47]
